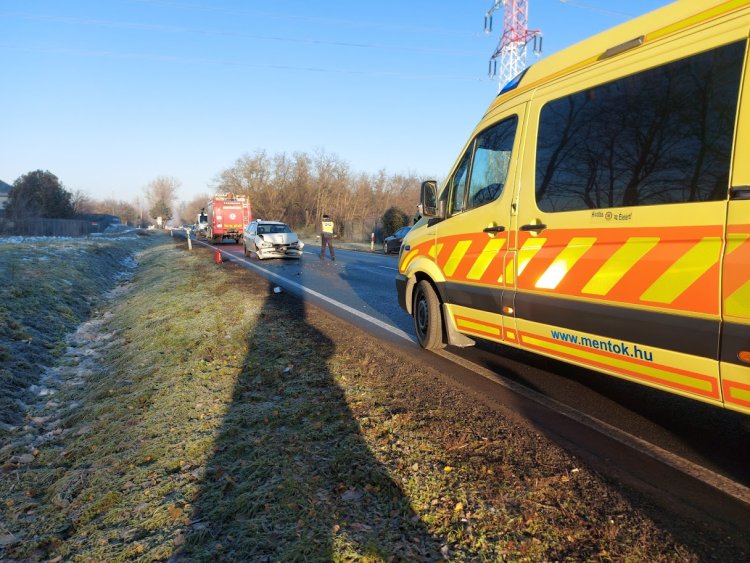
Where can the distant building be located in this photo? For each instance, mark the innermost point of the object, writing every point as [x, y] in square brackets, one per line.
[4, 191]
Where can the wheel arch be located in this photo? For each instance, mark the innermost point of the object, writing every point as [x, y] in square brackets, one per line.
[428, 271]
[422, 269]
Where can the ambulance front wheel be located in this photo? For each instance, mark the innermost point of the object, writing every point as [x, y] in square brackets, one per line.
[428, 319]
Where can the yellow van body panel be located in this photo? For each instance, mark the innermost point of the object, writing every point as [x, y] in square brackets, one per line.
[657, 293]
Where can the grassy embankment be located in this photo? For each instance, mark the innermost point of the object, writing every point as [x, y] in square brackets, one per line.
[48, 286]
[282, 434]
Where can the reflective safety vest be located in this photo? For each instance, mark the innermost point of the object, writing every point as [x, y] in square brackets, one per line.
[327, 227]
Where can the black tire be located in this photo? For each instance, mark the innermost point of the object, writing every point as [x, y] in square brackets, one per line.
[385, 248]
[247, 254]
[428, 318]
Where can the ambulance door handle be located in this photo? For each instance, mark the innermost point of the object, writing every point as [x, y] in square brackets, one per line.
[498, 229]
[533, 227]
[740, 192]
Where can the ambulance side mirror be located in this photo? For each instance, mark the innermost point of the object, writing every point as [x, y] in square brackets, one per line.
[428, 198]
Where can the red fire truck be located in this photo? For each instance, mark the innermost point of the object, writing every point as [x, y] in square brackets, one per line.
[227, 216]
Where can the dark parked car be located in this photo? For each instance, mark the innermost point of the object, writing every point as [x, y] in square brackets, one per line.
[393, 242]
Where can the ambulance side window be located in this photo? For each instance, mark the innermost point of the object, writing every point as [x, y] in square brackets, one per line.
[491, 161]
[661, 136]
[457, 186]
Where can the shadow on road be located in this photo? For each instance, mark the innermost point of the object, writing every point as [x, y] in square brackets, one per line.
[291, 477]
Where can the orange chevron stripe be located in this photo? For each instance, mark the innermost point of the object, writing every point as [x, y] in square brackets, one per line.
[694, 251]
[649, 257]
[736, 270]
[477, 242]
[407, 258]
[700, 296]
[423, 249]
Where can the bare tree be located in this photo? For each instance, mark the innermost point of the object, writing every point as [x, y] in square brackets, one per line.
[161, 195]
[82, 202]
[127, 212]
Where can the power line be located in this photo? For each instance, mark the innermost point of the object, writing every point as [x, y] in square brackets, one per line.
[186, 6]
[582, 6]
[205, 61]
[160, 28]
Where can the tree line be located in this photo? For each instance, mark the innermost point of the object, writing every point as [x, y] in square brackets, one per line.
[41, 194]
[299, 188]
[296, 189]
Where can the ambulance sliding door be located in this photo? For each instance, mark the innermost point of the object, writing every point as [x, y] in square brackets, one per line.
[621, 225]
[735, 336]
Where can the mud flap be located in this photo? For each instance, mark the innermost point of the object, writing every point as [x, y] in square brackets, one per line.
[454, 337]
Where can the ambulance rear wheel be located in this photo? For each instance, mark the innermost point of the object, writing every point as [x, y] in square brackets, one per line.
[428, 319]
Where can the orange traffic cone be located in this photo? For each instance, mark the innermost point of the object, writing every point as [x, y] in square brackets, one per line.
[217, 257]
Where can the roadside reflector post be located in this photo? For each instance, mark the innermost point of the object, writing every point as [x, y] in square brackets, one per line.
[190, 242]
[217, 257]
[372, 242]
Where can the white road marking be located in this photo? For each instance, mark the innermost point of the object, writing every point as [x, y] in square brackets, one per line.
[352, 311]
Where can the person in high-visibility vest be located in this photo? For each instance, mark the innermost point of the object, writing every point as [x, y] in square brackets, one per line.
[326, 237]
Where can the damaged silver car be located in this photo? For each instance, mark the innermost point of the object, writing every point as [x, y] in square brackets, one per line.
[271, 239]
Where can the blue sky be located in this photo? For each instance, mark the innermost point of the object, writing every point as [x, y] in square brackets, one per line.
[110, 94]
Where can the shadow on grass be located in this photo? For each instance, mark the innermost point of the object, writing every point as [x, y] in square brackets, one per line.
[687, 512]
[692, 422]
[291, 477]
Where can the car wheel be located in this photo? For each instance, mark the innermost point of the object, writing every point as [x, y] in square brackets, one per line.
[428, 319]
[385, 248]
[246, 252]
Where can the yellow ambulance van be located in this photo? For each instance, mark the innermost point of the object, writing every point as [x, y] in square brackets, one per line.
[600, 212]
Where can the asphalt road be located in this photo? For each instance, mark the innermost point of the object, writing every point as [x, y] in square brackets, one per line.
[359, 286]
[363, 282]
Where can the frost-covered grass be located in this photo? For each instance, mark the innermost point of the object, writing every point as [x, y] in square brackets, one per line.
[48, 286]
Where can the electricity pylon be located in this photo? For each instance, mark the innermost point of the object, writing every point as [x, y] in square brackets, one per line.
[511, 50]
